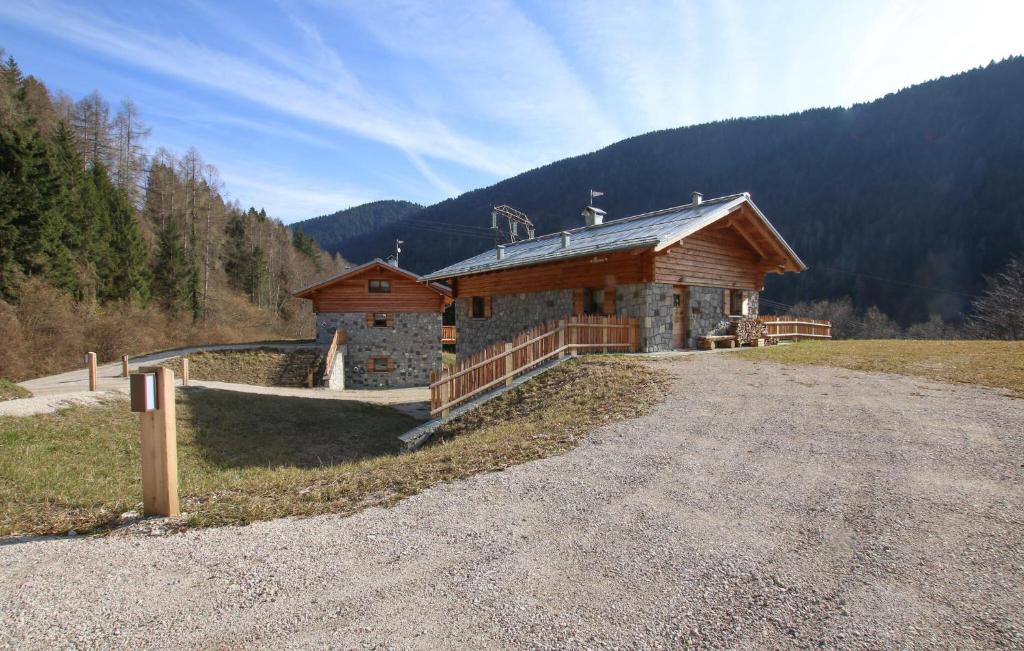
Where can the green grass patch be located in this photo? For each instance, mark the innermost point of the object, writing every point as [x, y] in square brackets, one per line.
[11, 391]
[990, 363]
[266, 367]
[245, 457]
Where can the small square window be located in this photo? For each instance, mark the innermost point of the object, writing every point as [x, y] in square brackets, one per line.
[380, 320]
[379, 364]
[380, 287]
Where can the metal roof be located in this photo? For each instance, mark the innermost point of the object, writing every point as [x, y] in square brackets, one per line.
[376, 262]
[654, 229]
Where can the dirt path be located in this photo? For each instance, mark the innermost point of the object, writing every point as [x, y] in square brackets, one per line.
[759, 506]
[57, 391]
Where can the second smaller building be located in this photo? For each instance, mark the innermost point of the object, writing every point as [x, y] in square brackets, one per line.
[392, 324]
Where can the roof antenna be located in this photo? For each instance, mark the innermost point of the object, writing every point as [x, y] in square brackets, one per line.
[593, 195]
[398, 249]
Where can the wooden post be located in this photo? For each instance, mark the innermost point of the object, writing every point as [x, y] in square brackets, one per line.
[445, 392]
[604, 338]
[124, 366]
[561, 338]
[509, 365]
[90, 359]
[160, 449]
[184, 371]
[574, 336]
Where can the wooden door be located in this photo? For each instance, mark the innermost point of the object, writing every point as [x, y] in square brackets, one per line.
[679, 322]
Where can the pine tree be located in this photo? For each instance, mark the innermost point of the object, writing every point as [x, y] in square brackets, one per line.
[171, 270]
[129, 259]
[236, 252]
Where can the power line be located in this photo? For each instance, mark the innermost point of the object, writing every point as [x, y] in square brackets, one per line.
[897, 282]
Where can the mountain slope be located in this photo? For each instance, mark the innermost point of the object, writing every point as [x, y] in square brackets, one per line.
[886, 201]
[332, 231]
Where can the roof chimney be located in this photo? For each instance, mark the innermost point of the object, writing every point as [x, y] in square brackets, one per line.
[593, 216]
[501, 251]
[698, 198]
[565, 239]
[392, 260]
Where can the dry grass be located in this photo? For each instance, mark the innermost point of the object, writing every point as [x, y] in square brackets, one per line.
[261, 367]
[990, 363]
[244, 458]
[11, 391]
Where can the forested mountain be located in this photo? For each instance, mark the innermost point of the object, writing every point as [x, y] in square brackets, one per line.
[886, 201]
[93, 228]
[332, 231]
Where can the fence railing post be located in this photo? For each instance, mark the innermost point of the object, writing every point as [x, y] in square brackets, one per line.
[184, 371]
[90, 361]
[124, 366]
[446, 391]
[561, 338]
[509, 364]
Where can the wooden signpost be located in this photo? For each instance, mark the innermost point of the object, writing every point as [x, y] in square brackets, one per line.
[152, 395]
[184, 371]
[124, 366]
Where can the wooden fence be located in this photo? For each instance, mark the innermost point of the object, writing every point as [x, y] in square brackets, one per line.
[794, 327]
[448, 334]
[502, 362]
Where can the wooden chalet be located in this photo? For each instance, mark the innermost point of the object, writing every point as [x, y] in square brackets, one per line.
[683, 272]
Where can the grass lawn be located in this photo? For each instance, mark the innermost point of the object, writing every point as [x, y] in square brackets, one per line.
[11, 391]
[243, 457]
[990, 363]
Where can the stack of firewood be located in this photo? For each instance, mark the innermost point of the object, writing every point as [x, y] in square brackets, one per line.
[749, 330]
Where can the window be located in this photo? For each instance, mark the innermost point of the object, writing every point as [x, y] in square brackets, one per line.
[380, 365]
[737, 302]
[594, 301]
[380, 287]
[480, 307]
[380, 320]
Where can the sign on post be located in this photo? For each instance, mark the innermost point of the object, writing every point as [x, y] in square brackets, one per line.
[152, 395]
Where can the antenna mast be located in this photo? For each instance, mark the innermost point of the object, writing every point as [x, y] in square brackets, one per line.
[510, 225]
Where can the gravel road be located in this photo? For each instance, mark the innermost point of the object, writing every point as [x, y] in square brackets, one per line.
[759, 506]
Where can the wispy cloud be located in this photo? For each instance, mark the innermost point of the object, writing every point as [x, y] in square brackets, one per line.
[504, 69]
[349, 109]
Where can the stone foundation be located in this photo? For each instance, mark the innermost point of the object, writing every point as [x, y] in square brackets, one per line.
[414, 345]
[511, 314]
[651, 304]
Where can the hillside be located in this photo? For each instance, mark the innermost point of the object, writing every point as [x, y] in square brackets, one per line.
[886, 201]
[111, 247]
[333, 231]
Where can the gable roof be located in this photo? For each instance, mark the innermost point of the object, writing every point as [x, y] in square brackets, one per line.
[305, 292]
[657, 230]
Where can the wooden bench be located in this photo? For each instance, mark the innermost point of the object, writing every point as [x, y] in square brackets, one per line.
[714, 341]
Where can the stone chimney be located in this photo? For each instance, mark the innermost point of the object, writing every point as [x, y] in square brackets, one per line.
[593, 216]
[698, 198]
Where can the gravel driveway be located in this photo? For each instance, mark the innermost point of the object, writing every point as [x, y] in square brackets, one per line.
[759, 506]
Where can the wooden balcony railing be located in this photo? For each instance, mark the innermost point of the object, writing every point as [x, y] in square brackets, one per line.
[447, 334]
[503, 362]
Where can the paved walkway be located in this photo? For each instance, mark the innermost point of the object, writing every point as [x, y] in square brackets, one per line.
[57, 391]
[759, 506]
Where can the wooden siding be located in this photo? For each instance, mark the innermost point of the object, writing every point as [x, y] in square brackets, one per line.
[352, 295]
[711, 258]
[604, 270]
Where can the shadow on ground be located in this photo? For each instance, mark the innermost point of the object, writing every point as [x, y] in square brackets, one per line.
[230, 429]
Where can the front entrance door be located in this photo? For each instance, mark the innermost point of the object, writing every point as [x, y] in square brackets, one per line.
[679, 322]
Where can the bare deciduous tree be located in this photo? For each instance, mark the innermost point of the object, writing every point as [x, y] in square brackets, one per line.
[999, 312]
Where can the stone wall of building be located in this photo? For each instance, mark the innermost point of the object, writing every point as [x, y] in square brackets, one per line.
[707, 313]
[414, 345]
[651, 303]
[511, 314]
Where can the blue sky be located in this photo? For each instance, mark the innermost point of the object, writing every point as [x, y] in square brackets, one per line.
[306, 108]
